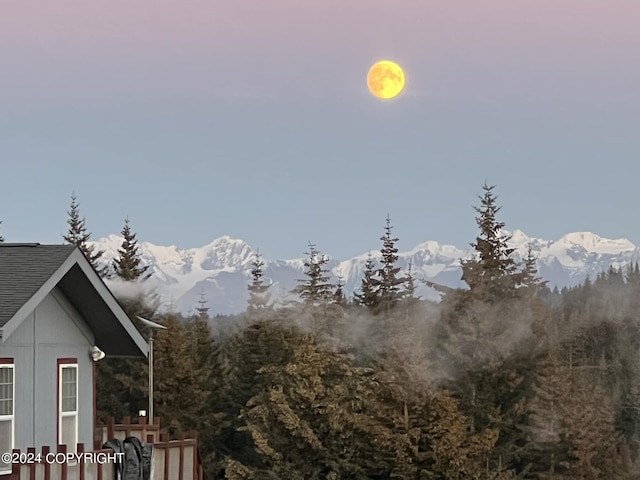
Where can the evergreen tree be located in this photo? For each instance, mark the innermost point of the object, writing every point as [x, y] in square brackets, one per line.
[315, 289]
[387, 280]
[633, 275]
[410, 285]
[315, 418]
[492, 275]
[368, 296]
[338, 295]
[127, 265]
[79, 236]
[258, 295]
[212, 370]
[122, 383]
[572, 426]
[181, 399]
[455, 451]
[262, 343]
[202, 309]
[529, 274]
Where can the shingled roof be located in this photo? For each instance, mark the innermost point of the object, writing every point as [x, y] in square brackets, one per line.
[24, 268]
[29, 271]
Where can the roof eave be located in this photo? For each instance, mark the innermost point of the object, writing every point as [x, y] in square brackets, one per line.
[112, 303]
[76, 257]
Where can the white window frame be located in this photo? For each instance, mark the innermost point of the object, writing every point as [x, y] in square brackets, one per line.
[12, 416]
[61, 414]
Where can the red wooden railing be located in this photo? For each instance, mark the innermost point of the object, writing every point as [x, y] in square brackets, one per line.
[55, 465]
[177, 459]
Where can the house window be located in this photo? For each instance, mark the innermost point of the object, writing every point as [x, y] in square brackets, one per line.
[6, 411]
[68, 405]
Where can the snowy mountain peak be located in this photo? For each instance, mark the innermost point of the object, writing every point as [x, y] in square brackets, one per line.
[594, 243]
[518, 237]
[222, 268]
[225, 252]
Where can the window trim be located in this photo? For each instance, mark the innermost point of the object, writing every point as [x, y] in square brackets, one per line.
[9, 363]
[66, 363]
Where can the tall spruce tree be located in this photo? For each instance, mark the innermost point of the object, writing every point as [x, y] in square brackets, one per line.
[258, 290]
[127, 265]
[528, 276]
[492, 275]
[388, 282]
[315, 289]
[368, 296]
[338, 295]
[410, 285]
[202, 309]
[79, 236]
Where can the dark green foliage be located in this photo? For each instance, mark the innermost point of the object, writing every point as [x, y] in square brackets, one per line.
[506, 380]
[472, 400]
[122, 384]
[410, 283]
[181, 377]
[528, 278]
[315, 289]
[368, 296]
[338, 295]
[258, 290]
[389, 284]
[492, 275]
[310, 419]
[79, 236]
[127, 266]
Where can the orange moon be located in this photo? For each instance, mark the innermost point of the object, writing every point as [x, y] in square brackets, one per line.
[386, 79]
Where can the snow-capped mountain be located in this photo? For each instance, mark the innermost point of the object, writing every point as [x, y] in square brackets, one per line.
[220, 271]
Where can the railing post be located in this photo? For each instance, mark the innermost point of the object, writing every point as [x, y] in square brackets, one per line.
[127, 422]
[15, 467]
[80, 450]
[31, 453]
[166, 455]
[63, 465]
[47, 465]
[110, 428]
[181, 461]
[99, 470]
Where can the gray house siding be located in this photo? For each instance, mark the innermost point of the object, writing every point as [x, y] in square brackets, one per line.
[54, 330]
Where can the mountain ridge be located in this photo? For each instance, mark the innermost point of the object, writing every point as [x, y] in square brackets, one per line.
[220, 270]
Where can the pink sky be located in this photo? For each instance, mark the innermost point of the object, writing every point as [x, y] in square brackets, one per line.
[212, 99]
[129, 46]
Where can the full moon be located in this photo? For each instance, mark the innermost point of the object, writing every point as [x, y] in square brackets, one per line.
[385, 79]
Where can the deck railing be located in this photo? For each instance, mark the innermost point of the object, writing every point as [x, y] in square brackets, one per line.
[177, 459]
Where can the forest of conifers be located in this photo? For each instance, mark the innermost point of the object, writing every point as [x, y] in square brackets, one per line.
[505, 379]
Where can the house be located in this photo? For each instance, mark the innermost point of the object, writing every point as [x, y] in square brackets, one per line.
[56, 317]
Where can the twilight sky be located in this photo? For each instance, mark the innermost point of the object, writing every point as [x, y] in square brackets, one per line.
[202, 118]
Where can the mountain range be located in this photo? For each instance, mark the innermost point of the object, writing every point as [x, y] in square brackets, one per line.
[218, 273]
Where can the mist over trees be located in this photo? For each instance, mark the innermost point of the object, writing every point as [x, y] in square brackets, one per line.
[504, 379]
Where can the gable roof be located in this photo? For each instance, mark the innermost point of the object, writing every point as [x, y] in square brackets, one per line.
[29, 272]
[23, 270]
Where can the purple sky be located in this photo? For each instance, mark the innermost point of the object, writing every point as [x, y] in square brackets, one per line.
[204, 118]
